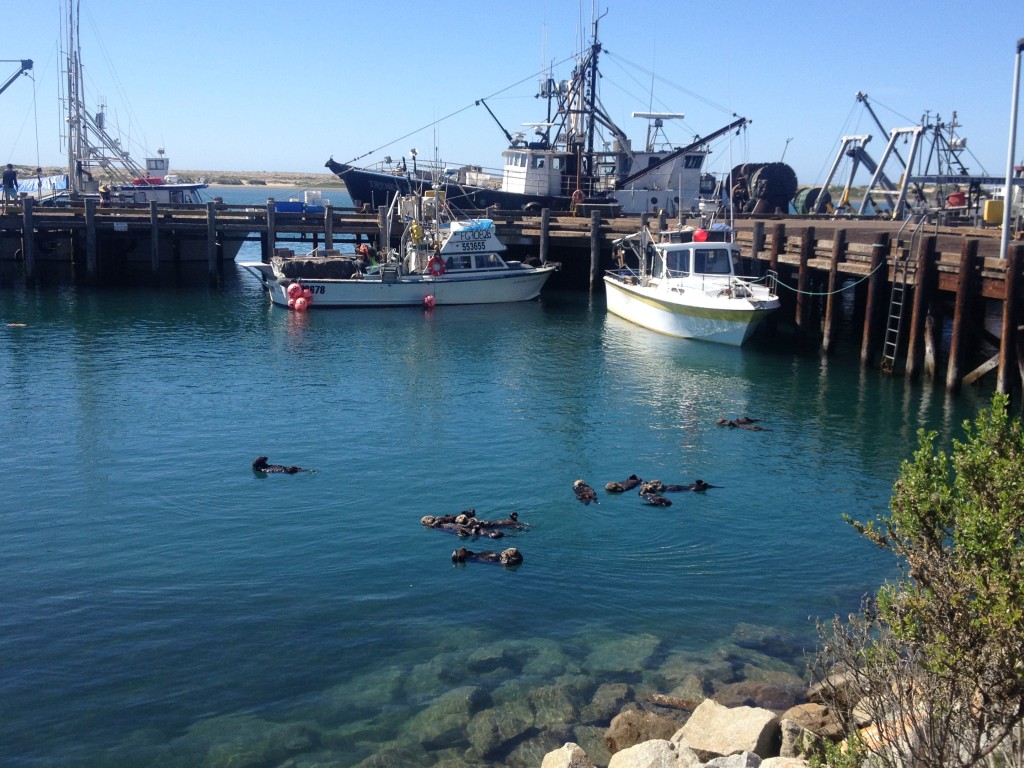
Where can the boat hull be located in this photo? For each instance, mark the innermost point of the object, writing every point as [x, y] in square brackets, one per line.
[411, 290]
[727, 322]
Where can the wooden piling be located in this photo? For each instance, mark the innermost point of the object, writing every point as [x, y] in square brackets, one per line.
[545, 235]
[91, 265]
[211, 239]
[876, 279]
[271, 231]
[328, 226]
[28, 243]
[595, 247]
[961, 312]
[154, 238]
[832, 295]
[803, 301]
[778, 246]
[924, 291]
[1011, 318]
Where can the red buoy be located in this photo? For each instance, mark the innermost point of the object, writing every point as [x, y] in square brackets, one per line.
[700, 236]
[301, 304]
[294, 291]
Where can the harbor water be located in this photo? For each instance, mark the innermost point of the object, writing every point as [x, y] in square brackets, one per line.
[162, 604]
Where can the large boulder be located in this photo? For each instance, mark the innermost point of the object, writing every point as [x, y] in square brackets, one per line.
[742, 760]
[635, 726]
[656, 753]
[716, 731]
[816, 718]
[569, 755]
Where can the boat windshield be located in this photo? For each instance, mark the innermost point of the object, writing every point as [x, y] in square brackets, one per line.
[712, 261]
[677, 263]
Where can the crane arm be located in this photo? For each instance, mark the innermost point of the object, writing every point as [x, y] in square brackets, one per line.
[26, 65]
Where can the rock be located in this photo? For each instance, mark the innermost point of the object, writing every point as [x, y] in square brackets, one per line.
[771, 640]
[633, 727]
[567, 756]
[797, 741]
[816, 718]
[608, 700]
[784, 762]
[554, 705]
[444, 722]
[716, 731]
[742, 760]
[752, 693]
[591, 738]
[656, 753]
[840, 688]
[244, 741]
[629, 654]
[493, 730]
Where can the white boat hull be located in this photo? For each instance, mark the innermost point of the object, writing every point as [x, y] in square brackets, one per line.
[411, 290]
[723, 321]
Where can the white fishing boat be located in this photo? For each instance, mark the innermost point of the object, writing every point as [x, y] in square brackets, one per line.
[441, 260]
[688, 286]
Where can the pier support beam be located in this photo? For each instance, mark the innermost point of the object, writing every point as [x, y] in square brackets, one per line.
[211, 240]
[595, 247]
[154, 238]
[832, 297]
[778, 246]
[961, 312]
[924, 291]
[271, 231]
[803, 301]
[545, 235]
[876, 279]
[28, 243]
[91, 265]
[1011, 319]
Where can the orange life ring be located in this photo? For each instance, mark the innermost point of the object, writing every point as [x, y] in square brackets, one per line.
[436, 266]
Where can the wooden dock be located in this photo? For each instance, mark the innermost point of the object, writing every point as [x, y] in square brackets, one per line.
[913, 284]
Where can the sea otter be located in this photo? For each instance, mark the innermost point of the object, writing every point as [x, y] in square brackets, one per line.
[510, 556]
[743, 422]
[628, 484]
[656, 499]
[584, 492]
[466, 524]
[260, 464]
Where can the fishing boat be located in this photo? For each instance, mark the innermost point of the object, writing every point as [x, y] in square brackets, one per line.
[687, 286]
[576, 158]
[441, 260]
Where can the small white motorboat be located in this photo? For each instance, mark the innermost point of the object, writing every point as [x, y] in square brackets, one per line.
[688, 287]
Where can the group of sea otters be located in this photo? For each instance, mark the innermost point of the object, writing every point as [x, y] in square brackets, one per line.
[467, 525]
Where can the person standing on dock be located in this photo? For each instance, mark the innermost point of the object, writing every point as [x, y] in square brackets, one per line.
[10, 185]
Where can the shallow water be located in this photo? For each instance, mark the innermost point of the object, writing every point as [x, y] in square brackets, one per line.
[163, 605]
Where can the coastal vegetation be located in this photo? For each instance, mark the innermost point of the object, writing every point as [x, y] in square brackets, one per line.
[933, 662]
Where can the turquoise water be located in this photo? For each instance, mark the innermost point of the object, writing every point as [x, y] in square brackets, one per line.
[162, 605]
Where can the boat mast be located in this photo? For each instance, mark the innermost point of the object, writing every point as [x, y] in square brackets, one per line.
[595, 50]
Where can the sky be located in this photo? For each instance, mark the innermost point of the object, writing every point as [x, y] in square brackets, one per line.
[267, 85]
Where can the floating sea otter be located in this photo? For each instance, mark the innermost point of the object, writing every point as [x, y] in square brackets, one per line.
[743, 422]
[584, 492]
[656, 486]
[656, 499]
[628, 484]
[466, 524]
[259, 464]
[510, 556]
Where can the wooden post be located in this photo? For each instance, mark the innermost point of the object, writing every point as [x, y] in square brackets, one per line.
[265, 253]
[778, 246]
[545, 235]
[154, 238]
[1011, 317]
[832, 298]
[964, 288]
[91, 267]
[924, 288]
[929, 345]
[211, 239]
[595, 247]
[802, 300]
[328, 226]
[878, 275]
[382, 225]
[28, 242]
[271, 229]
[758, 239]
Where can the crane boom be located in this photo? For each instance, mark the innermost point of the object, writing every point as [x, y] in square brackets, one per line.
[26, 65]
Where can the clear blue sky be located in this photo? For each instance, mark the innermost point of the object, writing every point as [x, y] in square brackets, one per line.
[281, 86]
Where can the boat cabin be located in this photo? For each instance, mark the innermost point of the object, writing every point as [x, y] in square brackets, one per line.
[705, 259]
[536, 171]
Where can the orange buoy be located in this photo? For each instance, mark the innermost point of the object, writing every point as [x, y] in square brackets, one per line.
[301, 304]
[294, 291]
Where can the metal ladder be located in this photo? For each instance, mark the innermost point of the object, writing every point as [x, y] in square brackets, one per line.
[901, 270]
